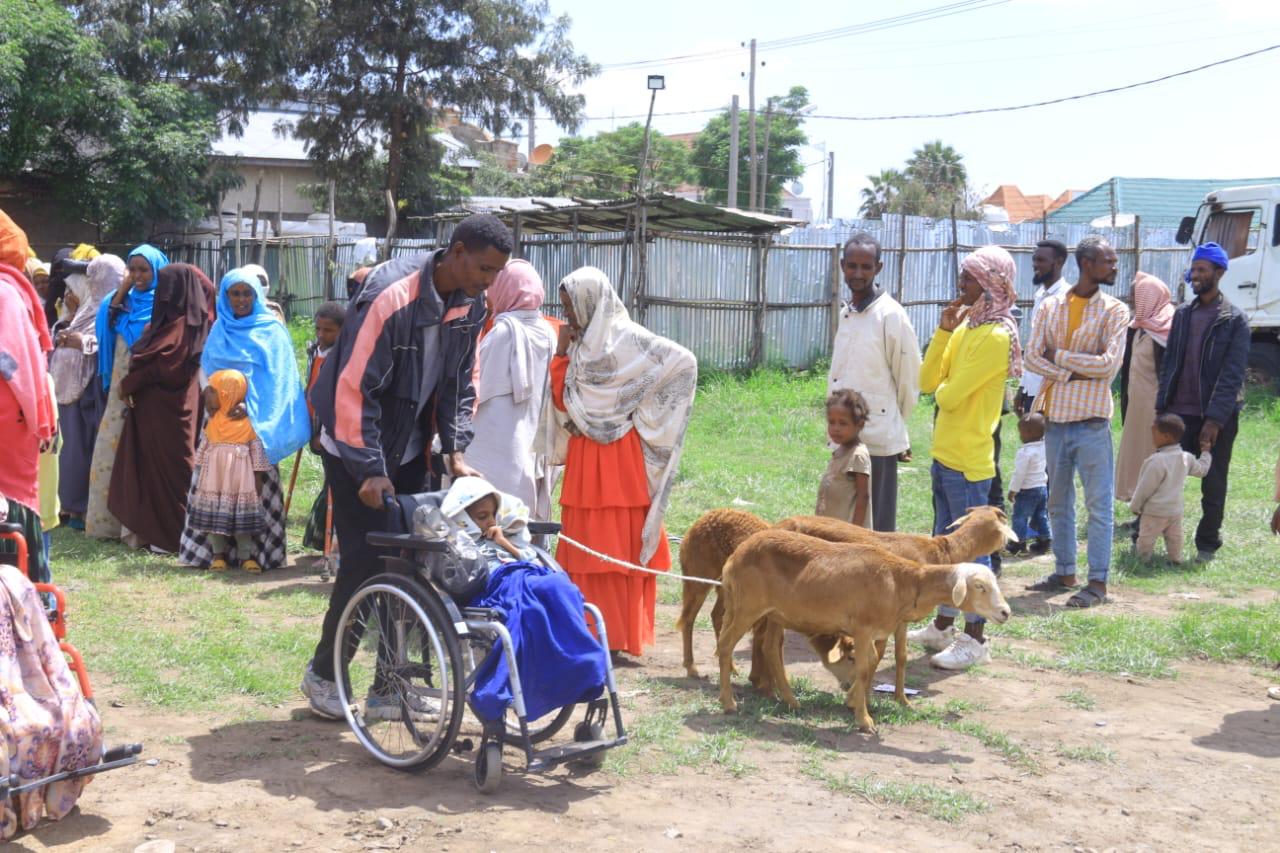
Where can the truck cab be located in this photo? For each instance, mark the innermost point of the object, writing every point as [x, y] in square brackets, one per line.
[1245, 221]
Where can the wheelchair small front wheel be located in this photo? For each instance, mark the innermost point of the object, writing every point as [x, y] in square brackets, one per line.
[585, 732]
[400, 672]
[488, 774]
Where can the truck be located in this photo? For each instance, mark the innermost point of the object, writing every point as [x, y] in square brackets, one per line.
[1245, 221]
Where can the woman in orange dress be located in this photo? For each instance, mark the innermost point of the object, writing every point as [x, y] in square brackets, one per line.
[621, 398]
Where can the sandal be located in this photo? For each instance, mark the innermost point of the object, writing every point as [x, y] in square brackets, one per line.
[1050, 583]
[218, 564]
[252, 567]
[1087, 597]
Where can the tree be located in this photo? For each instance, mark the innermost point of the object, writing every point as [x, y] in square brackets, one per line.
[878, 199]
[933, 183]
[375, 74]
[607, 164]
[116, 153]
[786, 135]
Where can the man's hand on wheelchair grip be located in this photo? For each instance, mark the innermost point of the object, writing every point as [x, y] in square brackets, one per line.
[374, 490]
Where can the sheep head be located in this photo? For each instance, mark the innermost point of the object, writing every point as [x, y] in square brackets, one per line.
[976, 590]
[988, 524]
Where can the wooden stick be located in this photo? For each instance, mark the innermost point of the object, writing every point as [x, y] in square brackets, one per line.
[293, 479]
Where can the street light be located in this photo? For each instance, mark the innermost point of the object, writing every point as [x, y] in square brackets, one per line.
[655, 83]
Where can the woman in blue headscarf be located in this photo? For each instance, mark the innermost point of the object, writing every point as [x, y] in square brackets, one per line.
[247, 337]
[119, 324]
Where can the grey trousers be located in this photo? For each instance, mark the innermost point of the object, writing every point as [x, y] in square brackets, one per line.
[884, 493]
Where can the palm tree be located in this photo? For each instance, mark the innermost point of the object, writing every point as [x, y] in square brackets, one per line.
[878, 198]
[939, 168]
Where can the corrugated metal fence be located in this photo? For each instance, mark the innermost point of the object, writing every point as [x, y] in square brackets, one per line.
[738, 301]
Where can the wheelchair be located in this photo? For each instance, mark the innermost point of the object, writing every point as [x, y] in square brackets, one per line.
[408, 651]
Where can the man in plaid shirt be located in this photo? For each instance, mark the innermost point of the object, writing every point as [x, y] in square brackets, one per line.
[1077, 345]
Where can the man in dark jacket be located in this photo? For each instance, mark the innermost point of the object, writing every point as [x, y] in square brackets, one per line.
[1202, 380]
[399, 375]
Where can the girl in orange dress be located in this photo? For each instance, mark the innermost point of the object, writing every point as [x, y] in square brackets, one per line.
[620, 403]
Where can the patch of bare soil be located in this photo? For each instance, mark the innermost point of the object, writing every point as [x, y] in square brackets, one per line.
[1193, 765]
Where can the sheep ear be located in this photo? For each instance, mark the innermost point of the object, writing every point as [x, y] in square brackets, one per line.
[958, 591]
[1009, 535]
[835, 653]
[959, 521]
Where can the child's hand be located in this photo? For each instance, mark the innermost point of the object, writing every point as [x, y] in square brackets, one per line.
[494, 533]
[238, 412]
[1012, 496]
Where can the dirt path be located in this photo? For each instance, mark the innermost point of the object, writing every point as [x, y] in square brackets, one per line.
[1187, 763]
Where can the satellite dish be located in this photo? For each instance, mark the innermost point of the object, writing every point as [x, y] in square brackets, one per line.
[797, 188]
[541, 154]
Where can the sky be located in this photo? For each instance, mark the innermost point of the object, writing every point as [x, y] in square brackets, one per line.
[1218, 123]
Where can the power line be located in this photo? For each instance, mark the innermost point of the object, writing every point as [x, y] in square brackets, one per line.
[877, 25]
[978, 111]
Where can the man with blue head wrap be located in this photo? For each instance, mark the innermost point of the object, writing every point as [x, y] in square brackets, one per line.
[1202, 381]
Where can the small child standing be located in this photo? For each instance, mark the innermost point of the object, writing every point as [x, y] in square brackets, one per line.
[233, 465]
[1157, 498]
[845, 491]
[329, 318]
[1029, 488]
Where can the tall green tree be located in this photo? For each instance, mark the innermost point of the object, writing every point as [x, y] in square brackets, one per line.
[785, 129]
[933, 182]
[878, 199]
[376, 72]
[938, 168]
[117, 153]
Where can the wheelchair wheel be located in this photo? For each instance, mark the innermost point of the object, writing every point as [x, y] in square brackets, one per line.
[541, 729]
[488, 772]
[400, 672]
[588, 731]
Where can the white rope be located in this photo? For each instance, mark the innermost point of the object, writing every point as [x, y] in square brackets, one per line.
[632, 566]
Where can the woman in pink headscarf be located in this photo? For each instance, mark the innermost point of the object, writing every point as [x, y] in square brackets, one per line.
[1139, 378]
[512, 364]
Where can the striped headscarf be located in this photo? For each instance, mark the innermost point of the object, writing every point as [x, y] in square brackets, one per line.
[1152, 307]
[993, 267]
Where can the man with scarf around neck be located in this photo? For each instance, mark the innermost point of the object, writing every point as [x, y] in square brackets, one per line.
[1077, 345]
[399, 375]
[1202, 380]
[973, 352]
[876, 354]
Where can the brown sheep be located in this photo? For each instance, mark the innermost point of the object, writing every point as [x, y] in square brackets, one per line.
[825, 588]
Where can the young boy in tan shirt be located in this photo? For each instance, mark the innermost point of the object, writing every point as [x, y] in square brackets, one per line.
[1157, 498]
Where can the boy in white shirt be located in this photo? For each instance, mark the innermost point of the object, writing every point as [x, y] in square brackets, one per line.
[1029, 488]
[1157, 498]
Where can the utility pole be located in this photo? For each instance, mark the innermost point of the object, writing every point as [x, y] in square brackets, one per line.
[831, 185]
[751, 129]
[732, 199]
[764, 159]
[533, 142]
[644, 154]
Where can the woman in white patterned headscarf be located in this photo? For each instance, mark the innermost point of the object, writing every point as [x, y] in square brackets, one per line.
[620, 403]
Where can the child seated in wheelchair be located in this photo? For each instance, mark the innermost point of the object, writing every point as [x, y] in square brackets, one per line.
[496, 523]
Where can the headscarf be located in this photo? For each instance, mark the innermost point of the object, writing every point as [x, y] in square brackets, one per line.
[133, 319]
[514, 300]
[24, 334]
[261, 274]
[622, 376]
[222, 428]
[36, 268]
[994, 269]
[180, 296]
[1211, 252]
[1152, 307]
[84, 252]
[58, 272]
[259, 347]
[512, 515]
[73, 369]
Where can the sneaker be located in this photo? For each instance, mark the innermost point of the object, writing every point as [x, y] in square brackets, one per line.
[322, 696]
[382, 706]
[963, 653]
[932, 637]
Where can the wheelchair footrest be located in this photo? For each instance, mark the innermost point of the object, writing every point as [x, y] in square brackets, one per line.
[546, 758]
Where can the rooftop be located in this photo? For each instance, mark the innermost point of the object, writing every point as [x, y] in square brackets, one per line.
[1158, 201]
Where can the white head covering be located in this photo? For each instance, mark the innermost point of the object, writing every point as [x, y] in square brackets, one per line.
[255, 270]
[622, 376]
[512, 515]
[72, 369]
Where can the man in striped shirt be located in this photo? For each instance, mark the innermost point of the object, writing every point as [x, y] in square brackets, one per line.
[1077, 345]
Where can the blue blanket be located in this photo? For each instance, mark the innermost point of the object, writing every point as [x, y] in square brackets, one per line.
[560, 662]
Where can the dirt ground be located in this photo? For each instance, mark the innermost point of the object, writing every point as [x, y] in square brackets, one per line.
[1196, 761]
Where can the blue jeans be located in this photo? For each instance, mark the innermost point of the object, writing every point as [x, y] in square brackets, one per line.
[952, 497]
[1085, 447]
[1031, 513]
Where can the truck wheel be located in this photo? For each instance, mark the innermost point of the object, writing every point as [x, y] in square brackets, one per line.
[1264, 364]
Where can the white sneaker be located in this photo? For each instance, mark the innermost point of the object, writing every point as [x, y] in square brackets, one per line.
[322, 696]
[963, 653]
[932, 637]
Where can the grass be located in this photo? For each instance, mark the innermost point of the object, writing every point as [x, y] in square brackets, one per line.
[936, 801]
[1079, 700]
[1093, 753]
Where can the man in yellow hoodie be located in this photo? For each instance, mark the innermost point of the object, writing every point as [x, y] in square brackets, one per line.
[973, 352]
